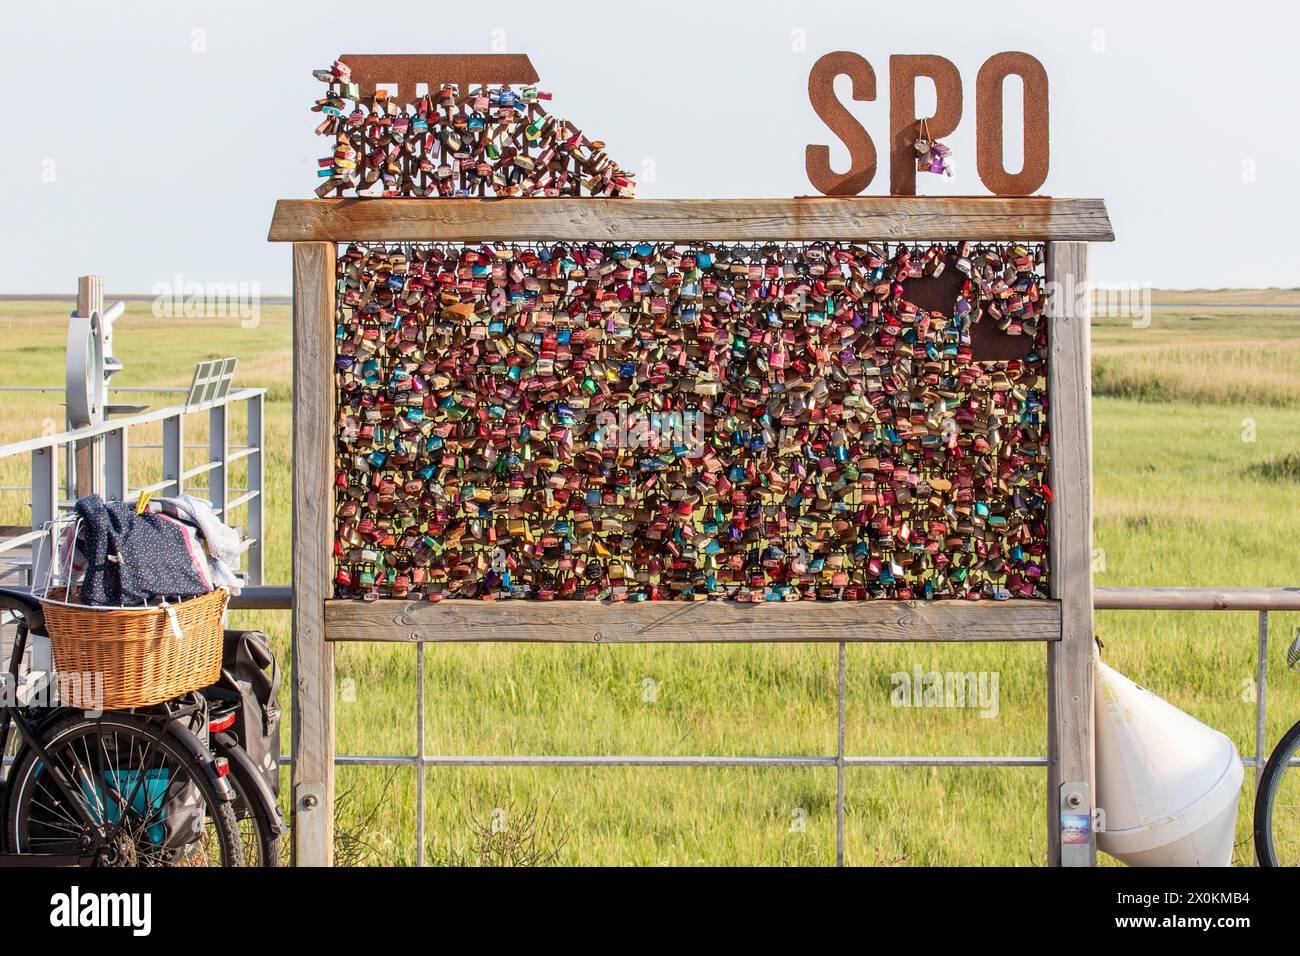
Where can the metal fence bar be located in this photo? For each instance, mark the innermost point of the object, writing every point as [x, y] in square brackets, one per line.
[254, 516]
[18, 540]
[238, 452]
[206, 467]
[532, 760]
[174, 453]
[45, 487]
[60, 439]
[419, 752]
[64, 388]
[1196, 599]
[945, 761]
[706, 760]
[265, 597]
[45, 508]
[1261, 695]
[839, 758]
[156, 486]
[116, 453]
[234, 503]
[629, 760]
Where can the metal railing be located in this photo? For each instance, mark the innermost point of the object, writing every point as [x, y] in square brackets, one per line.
[1259, 600]
[50, 496]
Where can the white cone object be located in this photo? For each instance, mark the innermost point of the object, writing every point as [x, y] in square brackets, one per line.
[1167, 783]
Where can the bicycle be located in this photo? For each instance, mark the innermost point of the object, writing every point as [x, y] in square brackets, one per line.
[125, 788]
[1277, 824]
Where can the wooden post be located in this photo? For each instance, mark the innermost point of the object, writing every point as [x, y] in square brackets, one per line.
[313, 465]
[1071, 781]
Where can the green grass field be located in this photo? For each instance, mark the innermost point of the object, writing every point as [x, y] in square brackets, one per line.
[1197, 455]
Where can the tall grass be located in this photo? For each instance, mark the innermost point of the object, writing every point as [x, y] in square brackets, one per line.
[1240, 376]
[1191, 489]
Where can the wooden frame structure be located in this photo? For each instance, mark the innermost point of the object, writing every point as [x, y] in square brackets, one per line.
[1063, 623]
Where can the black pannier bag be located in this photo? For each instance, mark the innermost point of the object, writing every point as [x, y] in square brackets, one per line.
[250, 680]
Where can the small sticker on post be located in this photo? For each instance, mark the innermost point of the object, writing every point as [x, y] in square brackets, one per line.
[1075, 829]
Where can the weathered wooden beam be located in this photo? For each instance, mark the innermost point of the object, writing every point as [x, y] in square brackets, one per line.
[313, 513]
[857, 218]
[649, 622]
[1070, 660]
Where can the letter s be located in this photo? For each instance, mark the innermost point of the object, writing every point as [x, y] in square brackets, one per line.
[862, 151]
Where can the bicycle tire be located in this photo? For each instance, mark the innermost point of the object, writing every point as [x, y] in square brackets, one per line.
[180, 758]
[254, 804]
[1265, 798]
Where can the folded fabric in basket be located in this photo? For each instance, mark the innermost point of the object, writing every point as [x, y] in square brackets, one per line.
[131, 559]
[221, 541]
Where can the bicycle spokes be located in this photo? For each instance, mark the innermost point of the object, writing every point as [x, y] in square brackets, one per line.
[134, 801]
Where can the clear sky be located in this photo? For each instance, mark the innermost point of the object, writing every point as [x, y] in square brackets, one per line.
[149, 139]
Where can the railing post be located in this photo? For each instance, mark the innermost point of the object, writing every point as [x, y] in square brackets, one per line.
[173, 451]
[840, 755]
[45, 508]
[116, 486]
[1261, 697]
[217, 452]
[253, 562]
[88, 453]
[1261, 703]
[1071, 778]
[419, 754]
[314, 285]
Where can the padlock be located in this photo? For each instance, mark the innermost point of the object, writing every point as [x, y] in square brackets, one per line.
[819, 427]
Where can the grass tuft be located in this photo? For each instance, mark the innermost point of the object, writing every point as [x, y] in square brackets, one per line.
[1281, 468]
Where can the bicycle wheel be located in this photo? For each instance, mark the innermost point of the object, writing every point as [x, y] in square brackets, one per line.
[257, 814]
[1277, 806]
[141, 783]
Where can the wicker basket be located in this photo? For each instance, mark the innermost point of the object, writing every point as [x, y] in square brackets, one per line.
[135, 649]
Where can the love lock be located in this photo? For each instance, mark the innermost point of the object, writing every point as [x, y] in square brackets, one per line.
[684, 421]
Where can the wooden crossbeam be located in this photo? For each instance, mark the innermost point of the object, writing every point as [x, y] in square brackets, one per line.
[861, 218]
[708, 622]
